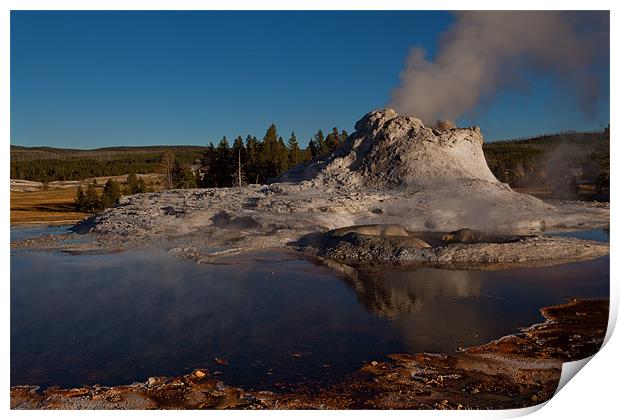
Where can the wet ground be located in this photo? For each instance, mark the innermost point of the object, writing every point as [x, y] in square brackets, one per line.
[269, 321]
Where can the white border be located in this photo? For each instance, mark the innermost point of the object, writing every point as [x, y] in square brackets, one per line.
[592, 394]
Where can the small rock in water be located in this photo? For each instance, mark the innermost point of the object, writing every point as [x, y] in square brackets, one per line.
[222, 362]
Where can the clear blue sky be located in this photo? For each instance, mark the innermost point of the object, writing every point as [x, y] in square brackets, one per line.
[95, 79]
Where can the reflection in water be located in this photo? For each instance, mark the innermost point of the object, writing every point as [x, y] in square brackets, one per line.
[114, 319]
[392, 294]
[121, 318]
[441, 310]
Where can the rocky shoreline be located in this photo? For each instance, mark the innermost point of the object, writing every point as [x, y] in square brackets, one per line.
[515, 371]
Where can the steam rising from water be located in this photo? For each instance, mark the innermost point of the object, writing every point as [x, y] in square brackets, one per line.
[487, 50]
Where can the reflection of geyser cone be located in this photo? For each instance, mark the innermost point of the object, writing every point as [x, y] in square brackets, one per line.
[392, 294]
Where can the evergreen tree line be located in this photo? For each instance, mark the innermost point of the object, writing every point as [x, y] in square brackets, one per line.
[48, 170]
[261, 159]
[548, 161]
[91, 201]
[255, 161]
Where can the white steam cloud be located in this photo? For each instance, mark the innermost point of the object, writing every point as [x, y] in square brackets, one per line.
[487, 50]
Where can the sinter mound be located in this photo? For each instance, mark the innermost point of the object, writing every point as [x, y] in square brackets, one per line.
[389, 150]
[391, 171]
[446, 169]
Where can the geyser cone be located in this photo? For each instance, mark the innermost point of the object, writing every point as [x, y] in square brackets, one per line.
[389, 150]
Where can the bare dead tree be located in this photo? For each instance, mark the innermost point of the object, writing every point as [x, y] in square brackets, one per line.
[168, 163]
[238, 177]
[239, 169]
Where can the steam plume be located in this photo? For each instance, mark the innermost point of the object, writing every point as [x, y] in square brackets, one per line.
[487, 50]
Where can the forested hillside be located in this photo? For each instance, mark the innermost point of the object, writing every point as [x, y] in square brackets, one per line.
[558, 161]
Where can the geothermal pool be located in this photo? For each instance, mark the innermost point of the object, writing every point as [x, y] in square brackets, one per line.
[271, 319]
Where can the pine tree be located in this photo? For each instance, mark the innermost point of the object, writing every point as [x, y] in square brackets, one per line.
[92, 202]
[317, 145]
[135, 184]
[332, 141]
[281, 157]
[223, 170]
[207, 177]
[252, 170]
[313, 148]
[80, 199]
[132, 181]
[183, 177]
[294, 154]
[269, 153]
[141, 186]
[111, 193]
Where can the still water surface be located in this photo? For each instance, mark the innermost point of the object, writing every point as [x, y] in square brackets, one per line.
[119, 318]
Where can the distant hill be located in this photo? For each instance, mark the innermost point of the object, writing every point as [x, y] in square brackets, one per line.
[549, 141]
[47, 164]
[587, 150]
[22, 153]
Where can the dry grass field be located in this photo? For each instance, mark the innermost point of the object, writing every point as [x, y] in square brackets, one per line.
[32, 204]
[53, 206]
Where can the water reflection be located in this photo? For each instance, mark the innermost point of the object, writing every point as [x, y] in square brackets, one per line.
[113, 319]
[441, 310]
[392, 294]
[120, 318]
